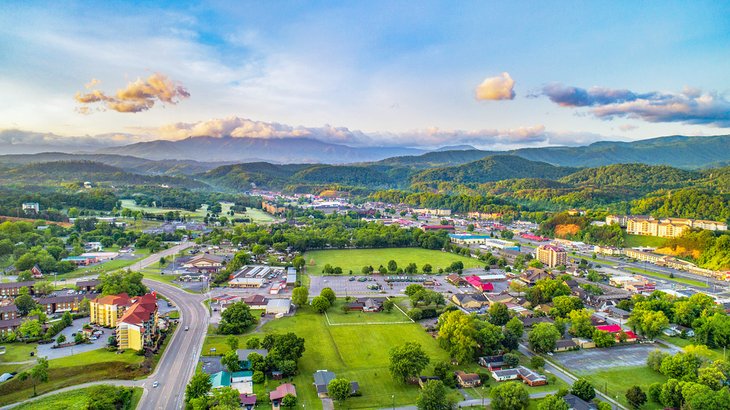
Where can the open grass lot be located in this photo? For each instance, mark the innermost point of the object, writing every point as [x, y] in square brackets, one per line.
[256, 215]
[337, 317]
[355, 259]
[17, 352]
[108, 266]
[71, 400]
[635, 241]
[677, 279]
[357, 353]
[714, 354]
[81, 368]
[615, 382]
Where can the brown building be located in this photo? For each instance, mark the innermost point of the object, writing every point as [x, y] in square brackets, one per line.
[551, 255]
[13, 288]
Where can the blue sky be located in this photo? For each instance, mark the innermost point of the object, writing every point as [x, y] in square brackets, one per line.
[368, 73]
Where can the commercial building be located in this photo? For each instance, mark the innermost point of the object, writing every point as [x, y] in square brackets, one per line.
[551, 255]
[278, 306]
[137, 328]
[31, 207]
[668, 227]
[246, 283]
[433, 212]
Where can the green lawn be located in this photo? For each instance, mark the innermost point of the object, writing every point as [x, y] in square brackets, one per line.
[256, 215]
[71, 400]
[618, 380]
[106, 266]
[636, 241]
[17, 352]
[355, 259]
[77, 369]
[665, 276]
[337, 316]
[358, 353]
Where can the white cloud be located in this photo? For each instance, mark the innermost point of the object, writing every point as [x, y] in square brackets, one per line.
[500, 87]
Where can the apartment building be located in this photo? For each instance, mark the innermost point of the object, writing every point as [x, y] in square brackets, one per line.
[551, 255]
[107, 310]
[668, 227]
[137, 328]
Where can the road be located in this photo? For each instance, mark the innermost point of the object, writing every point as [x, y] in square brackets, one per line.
[152, 259]
[177, 364]
[569, 378]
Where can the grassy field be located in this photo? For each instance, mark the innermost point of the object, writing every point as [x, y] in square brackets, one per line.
[356, 352]
[636, 241]
[105, 267]
[71, 400]
[17, 352]
[81, 368]
[617, 381]
[336, 316]
[355, 259]
[256, 215]
[677, 279]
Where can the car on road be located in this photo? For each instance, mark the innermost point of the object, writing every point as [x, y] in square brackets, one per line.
[155, 384]
[187, 328]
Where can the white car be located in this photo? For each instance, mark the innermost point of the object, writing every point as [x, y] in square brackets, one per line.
[155, 384]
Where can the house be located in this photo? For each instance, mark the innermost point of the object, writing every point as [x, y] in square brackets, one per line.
[248, 401]
[564, 345]
[367, 304]
[278, 306]
[256, 301]
[584, 343]
[13, 288]
[617, 313]
[322, 378]
[679, 330]
[532, 321]
[192, 276]
[36, 272]
[530, 276]
[280, 392]
[576, 403]
[106, 310]
[137, 327]
[9, 312]
[528, 376]
[617, 330]
[456, 280]
[31, 207]
[242, 381]
[597, 320]
[220, 379]
[244, 353]
[291, 276]
[88, 285]
[10, 325]
[205, 263]
[470, 301]
[467, 379]
[492, 362]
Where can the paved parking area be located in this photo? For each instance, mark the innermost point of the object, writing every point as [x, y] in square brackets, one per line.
[343, 286]
[588, 360]
[45, 350]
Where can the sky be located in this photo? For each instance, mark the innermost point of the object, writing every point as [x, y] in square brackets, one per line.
[495, 75]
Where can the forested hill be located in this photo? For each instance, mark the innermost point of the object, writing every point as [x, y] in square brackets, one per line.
[494, 168]
[632, 175]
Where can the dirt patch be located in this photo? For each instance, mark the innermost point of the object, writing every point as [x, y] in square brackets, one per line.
[566, 229]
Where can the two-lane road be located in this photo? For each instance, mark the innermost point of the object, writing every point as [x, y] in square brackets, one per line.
[178, 363]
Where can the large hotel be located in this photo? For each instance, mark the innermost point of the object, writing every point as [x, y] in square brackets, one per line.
[664, 227]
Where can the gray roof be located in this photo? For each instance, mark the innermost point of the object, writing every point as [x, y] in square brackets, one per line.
[576, 403]
[243, 353]
[321, 379]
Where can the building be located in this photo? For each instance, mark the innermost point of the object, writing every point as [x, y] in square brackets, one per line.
[272, 208]
[608, 250]
[278, 306]
[564, 345]
[669, 227]
[205, 263]
[617, 331]
[248, 401]
[467, 379]
[478, 284]
[244, 353]
[470, 301]
[256, 301]
[106, 310]
[492, 362]
[13, 288]
[291, 276]
[280, 392]
[433, 212]
[619, 220]
[322, 378]
[576, 403]
[448, 228]
[367, 304]
[9, 312]
[531, 275]
[11, 325]
[137, 327]
[528, 376]
[88, 285]
[246, 283]
[60, 304]
[31, 207]
[551, 255]
[80, 260]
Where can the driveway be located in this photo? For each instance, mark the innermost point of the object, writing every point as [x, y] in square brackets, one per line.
[45, 350]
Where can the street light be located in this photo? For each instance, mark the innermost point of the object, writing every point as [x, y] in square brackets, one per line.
[393, 398]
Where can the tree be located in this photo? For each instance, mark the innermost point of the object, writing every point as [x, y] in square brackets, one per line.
[43, 288]
[510, 396]
[106, 397]
[580, 323]
[298, 262]
[392, 266]
[636, 397]
[329, 294]
[515, 326]
[236, 319]
[511, 359]
[289, 400]
[25, 304]
[583, 389]
[427, 268]
[30, 328]
[671, 394]
[320, 304]
[339, 389]
[38, 374]
[603, 339]
[711, 376]
[655, 358]
[498, 314]
[407, 361]
[225, 398]
[543, 337]
[551, 402]
[230, 361]
[258, 377]
[434, 396]
[232, 342]
[253, 343]
[537, 362]
[60, 339]
[563, 305]
[489, 337]
[413, 288]
[128, 282]
[388, 305]
[300, 296]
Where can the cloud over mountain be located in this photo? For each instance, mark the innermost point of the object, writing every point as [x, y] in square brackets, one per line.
[137, 96]
[500, 87]
[691, 106]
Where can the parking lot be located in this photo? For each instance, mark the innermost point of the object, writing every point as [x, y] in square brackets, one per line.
[589, 360]
[357, 285]
[45, 350]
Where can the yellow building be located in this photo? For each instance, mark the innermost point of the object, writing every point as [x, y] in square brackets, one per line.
[137, 328]
[551, 255]
[668, 227]
[106, 310]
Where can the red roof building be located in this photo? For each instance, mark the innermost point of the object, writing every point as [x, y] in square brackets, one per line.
[438, 228]
[616, 329]
[479, 285]
[283, 390]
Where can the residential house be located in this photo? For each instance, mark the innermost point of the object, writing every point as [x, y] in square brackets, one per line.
[617, 313]
[470, 301]
[532, 321]
[617, 330]
[220, 379]
[256, 301]
[531, 275]
[11, 325]
[528, 376]
[13, 288]
[492, 362]
[137, 327]
[280, 392]
[564, 345]
[576, 403]
[467, 379]
[503, 297]
[248, 401]
[31, 207]
[322, 378]
[367, 304]
[36, 272]
[456, 280]
[59, 304]
[9, 312]
[243, 356]
[106, 310]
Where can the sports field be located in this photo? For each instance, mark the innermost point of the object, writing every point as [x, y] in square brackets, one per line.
[357, 352]
[355, 259]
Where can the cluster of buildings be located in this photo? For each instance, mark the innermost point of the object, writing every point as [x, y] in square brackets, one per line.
[133, 318]
[663, 227]
[259, 276]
